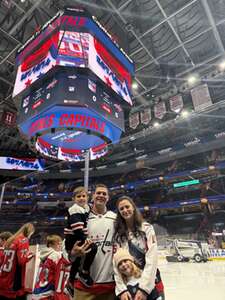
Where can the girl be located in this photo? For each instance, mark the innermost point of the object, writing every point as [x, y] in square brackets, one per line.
[138, 238]
[16, 255]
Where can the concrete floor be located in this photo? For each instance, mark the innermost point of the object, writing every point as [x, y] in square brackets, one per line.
[194, 281]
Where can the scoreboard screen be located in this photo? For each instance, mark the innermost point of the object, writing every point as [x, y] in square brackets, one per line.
[75, 42]
[73, 83]
[69, 88]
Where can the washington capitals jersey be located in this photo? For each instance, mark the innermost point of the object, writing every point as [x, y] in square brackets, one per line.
[12, 271]
[61, 279]
[45, 281]
[1, 255]
[101, 230]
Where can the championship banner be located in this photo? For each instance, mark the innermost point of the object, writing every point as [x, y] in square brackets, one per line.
[134, 120]
[160, 110]
[9, 118]
[201, 97]
[145, 116]
[176, 103]
[24, 164]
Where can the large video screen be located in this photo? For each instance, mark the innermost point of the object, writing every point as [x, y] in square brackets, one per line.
[74, 49]
[79, 49]
[74, 88]
[36, 64]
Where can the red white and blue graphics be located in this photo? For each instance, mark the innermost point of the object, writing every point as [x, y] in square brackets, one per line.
[73, 83]
[73, 49]
[109, 70]
[83, 50]
[36, 65]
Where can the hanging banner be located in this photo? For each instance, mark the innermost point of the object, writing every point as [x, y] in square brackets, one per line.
[145, 116]
[201, 97]
[134, 120]
[176, 103]
[160, 110]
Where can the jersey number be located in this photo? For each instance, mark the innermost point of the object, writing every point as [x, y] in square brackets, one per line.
[8, 260]
[63, 279]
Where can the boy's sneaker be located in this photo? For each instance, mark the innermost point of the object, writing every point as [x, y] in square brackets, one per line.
[86, 279]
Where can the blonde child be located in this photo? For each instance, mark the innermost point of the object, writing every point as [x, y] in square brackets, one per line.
[130, 273]
[45, 281]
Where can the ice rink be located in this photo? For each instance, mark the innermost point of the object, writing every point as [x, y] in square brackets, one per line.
[194, 281]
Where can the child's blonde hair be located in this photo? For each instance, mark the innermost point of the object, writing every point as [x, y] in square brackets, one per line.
[79, 190]
[53, 240]
[136, 272]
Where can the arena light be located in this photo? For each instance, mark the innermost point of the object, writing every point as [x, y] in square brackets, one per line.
[184, 114]
[156, 124]
[192, 79]
[222, 65]
[134, 85]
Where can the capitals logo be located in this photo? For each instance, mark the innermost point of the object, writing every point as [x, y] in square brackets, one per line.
[36, 64]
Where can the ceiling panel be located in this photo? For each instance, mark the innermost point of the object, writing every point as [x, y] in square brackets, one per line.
[201, 49]
[190, 22]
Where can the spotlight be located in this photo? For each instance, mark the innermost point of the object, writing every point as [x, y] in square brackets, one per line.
[184, 114]
[222, 65]
[134, 85]
[212, 168]
[156, 124]
[192, 79]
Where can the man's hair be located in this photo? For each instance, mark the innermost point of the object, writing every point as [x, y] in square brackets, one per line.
[5, 235]
[101, 185]
[53, 239]
[78, 190]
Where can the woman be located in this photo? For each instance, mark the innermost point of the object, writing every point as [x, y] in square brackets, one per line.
[138, 237]
[16, 255]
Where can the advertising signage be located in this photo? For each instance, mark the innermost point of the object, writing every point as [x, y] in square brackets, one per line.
[24, 164]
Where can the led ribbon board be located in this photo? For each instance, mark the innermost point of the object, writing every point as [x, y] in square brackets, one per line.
[72, 85]
[186, 183]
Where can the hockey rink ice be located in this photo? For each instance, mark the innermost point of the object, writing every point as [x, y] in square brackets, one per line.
[194, 281]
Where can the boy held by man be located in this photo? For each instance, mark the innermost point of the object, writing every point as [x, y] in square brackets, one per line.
[76, 230]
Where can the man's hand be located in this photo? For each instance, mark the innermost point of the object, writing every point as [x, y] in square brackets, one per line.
[140, 296]
[79, 251]
[126, 296]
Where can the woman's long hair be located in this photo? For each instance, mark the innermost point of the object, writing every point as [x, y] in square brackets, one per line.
[25, 230]
[121, 230]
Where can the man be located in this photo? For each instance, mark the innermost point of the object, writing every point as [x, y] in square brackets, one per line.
[100, 231]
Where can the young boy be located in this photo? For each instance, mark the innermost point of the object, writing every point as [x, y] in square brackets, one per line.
[46, 277]
[77, 231]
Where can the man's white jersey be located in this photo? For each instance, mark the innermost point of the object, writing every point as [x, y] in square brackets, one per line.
[101, 230]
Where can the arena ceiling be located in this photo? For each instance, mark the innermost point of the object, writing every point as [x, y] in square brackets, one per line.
[168, 41]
